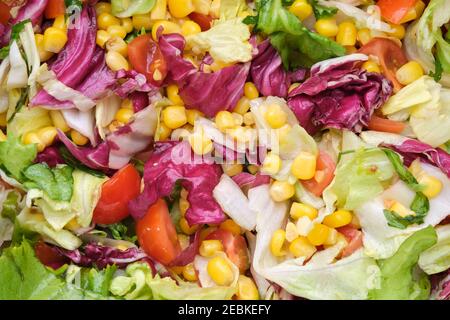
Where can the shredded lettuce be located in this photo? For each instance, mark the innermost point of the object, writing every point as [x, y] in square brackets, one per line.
[15, 156]
[437, 258]
[398, 282]
[27, 120]
[125, 9]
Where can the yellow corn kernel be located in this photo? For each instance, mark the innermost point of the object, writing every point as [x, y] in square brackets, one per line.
[350, 49]
[293, 86]
[432, 185]
[72, 225]
[277, 243]
[409, 72]
[364, 36]
[54, 39]
[238, 119]
[183, 204]
[414, 12]
[172, 93]
[371, 66]
[140, 21]
[189, 272]
[114, 125]
[78, 138]
[318, 234]
[174, 116]
[60, 22]
[301, 8]
[200, 143]
[419, 7]
[189, 28]
[115, 61]
[275, 116]
[281, 191]
[224, 120]
[127, 24]
[231, 226]
[332, 238]
[248, 119]
[271, 164]
[159, 11]
[338, 219]
[347, 34]
[192, 115]
[58, 120]
[253, 169]
[209, 248]
[103, 7]
[220, 271]
[177, 270]
[246, 289]
[117, 31]
[184, 226]
[327, 27]
[299, 210]
[242, 106]
[101, 38]
[399, 31]
[47, 135]
[127, 104]
[291, 232]
[202, 6]
[219, 65]
[301, 247]
[33, 138]
[164, 132]
[250, 91]
[117, 44]
[180, 8]
[167, 27]
[232, 169]
[3, 121]
[304, 166]
[105, 19]
[401, 210]
[44, 55]
[124, 115]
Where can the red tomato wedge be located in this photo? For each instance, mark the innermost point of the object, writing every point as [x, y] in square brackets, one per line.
[394, 10]
[386, 125]
[54, 8]
[354, 238]
[390, 56]
[124, 186]
[48, 255]
[235, 247]
[146, 58]
[5, 13]
[326, 166]
[157, 235]
[202, 20]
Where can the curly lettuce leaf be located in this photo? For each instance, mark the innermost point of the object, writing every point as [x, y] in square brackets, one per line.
[398, 281]
[15, 156]
[297, 46]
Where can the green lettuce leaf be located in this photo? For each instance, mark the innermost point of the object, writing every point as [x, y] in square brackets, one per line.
[297, 46]
[398, 281]
[15, 156]
[437, 258]
[125, 9]
[321, 11]
[230, 9]
[56, 182]
[23, 277]
[27, 120]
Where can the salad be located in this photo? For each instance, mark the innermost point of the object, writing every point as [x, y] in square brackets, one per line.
[225, 149]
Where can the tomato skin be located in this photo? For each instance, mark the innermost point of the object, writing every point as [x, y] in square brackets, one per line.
[202, 20]
[390, 56]
[354, 238]
[235, 247]
[327, 166]
[386, 125]
[157, 235]
[146, 58]
[124, 186]
[5, 13]
[54, 8]
[48, 256]
[394, 10]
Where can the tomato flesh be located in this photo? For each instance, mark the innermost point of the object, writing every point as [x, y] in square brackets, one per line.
[202, 20]
[390, 56]
[327, 166]
[124, 186]
[157, 235]
[235, 247]
[54, 8]
[394, 10]
[146, 58]
[49, 256]
[5, 13]
[354, 239]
